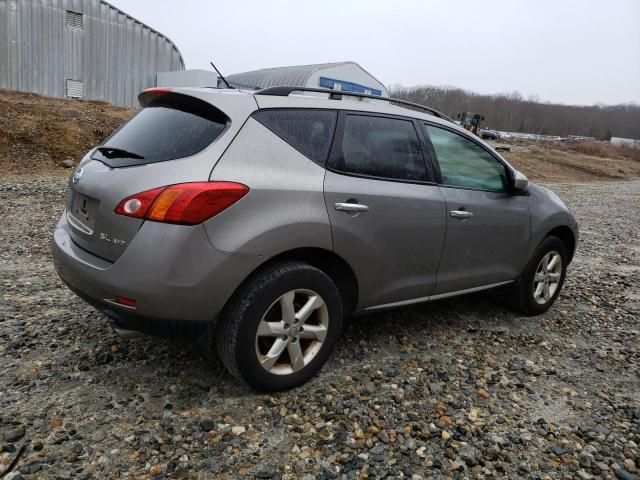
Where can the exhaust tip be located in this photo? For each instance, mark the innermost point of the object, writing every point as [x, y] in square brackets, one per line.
[126, 333]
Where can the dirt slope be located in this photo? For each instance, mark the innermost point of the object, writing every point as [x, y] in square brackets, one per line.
[560, 163]
[37, 133]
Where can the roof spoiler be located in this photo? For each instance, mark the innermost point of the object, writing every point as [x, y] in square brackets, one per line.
[285, 91]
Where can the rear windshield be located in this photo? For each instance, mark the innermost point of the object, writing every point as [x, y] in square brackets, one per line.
[168, 128]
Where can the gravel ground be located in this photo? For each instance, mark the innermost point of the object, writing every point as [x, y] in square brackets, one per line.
[455, 389]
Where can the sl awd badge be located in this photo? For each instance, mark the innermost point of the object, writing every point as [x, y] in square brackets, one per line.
[77, 175]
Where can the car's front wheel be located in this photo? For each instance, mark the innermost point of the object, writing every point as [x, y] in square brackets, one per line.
[280, 327]
[542, 279]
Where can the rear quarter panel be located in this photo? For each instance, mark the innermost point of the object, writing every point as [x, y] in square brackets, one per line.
[285, 206]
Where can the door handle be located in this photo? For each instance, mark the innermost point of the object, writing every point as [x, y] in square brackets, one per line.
[351, 207]
[460, 214]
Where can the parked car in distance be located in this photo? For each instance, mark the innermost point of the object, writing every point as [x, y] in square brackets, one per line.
[259, 220]
[487, 134]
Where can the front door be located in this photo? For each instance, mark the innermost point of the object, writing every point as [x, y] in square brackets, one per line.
[488, 229]
[387, 217]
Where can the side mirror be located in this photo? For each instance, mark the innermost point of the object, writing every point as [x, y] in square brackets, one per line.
[520, 181]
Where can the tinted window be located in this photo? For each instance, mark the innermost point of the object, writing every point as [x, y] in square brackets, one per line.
[308, 131]
[165, 130]
[379, 147]
[464, 163]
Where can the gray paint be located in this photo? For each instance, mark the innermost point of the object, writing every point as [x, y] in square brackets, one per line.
[114, 55]
[285, 207]
[488, 247]
[306, 76]
[395, 246]
[405, 248]
[181, 270]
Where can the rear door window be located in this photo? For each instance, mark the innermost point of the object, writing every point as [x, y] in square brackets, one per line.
[379, 147]
[308, 131]
[167, 129]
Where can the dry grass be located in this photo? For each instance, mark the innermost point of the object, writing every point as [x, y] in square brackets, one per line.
[602, 150]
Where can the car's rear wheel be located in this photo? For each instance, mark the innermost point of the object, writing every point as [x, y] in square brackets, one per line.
[541, 282]
[280, 327]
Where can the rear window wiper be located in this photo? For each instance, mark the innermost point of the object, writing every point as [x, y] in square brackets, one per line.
[111, 152]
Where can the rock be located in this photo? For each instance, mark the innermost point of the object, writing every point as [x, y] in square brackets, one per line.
[98, 436]
[68, 163]
[630, 465]
[155, 470]
[263, 470]
[13, 476]
[207, 425]
[584, 475]
[622, 474]
[238, 430]
[482, 393]
[14, 435]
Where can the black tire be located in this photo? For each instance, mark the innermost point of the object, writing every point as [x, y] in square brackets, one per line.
[521, 292]
[238, 325]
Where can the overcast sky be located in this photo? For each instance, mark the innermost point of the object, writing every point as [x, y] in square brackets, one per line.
[567, 51]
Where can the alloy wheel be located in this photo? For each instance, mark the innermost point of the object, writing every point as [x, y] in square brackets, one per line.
[292, 332]
[547, 277]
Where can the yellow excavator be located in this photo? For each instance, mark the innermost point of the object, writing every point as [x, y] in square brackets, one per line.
[470, 121]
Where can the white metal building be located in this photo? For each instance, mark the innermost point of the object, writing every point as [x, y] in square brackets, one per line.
[80, 49]
[345, 76]
[627, 142]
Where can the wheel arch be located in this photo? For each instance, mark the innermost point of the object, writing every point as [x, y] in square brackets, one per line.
[566, 235]
[330, 263]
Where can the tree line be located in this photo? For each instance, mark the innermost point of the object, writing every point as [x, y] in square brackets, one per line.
[511, 112]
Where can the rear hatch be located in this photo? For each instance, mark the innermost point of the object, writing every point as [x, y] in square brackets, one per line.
[177, 137]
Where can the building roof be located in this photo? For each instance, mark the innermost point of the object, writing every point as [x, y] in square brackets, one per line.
[272, 77]
[144, 25]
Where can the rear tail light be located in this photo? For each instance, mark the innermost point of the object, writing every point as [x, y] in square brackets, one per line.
[138, 205]
[185, 203]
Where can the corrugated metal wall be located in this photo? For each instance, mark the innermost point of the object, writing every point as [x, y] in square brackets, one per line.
[114, 55]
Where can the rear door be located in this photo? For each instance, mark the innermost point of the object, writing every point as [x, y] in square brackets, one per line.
[387, 215]
[488, 229]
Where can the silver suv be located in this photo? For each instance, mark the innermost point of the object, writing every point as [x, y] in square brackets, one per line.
[259, 220]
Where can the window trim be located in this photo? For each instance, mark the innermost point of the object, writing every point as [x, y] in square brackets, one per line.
[333, 134]
[339, 135]
[436, 163]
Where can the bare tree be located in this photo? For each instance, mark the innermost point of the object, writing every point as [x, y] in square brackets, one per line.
[509, 111]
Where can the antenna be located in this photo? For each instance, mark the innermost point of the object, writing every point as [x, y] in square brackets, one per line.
[221, 76]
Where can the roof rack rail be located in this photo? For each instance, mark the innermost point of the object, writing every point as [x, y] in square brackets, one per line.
[285, 91]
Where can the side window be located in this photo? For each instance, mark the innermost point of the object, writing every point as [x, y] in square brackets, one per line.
[308, 131]
[380, 147]
[465, 164]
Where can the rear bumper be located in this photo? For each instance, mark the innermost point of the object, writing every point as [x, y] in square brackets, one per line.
[173, 272]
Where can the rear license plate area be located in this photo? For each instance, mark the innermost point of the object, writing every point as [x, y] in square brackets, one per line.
[84, 209]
